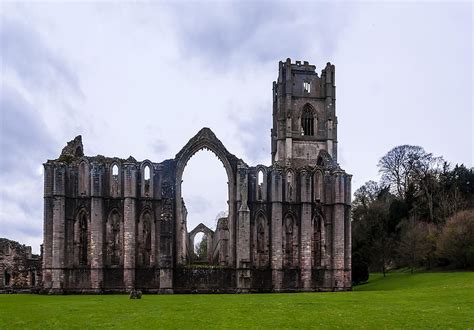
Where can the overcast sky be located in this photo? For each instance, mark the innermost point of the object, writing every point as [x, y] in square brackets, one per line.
[142, 79]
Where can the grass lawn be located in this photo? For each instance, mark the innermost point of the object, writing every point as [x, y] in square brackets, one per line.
[422, 300]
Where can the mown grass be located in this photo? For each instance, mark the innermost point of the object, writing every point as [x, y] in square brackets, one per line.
[421, 300]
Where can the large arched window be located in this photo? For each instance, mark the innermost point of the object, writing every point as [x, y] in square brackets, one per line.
[145, 239]
[114, 239]
[81, 239]
[260, 242]
[308, 120]
[319, 241]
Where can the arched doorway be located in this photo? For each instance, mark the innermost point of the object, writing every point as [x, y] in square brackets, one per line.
[205, 139]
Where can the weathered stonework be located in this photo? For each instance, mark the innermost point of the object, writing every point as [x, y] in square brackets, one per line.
[115, 224]
[20, 270]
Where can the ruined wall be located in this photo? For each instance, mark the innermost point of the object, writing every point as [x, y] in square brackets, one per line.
[20, 270]
[115, 224]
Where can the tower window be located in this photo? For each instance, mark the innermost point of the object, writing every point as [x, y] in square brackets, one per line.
[307, 121]
[307, 86]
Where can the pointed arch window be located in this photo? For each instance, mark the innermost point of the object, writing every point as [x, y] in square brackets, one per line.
[81, 239]
[260, 185]
[114, 238]
[260, 242]
[145, 239]
[308, 120]
[147, 180]
[115, 180]
[319, 241]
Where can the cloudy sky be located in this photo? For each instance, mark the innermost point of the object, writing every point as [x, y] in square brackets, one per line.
[141, 79]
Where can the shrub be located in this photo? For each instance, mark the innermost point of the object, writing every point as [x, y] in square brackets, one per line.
[360, 269]
[456, 242]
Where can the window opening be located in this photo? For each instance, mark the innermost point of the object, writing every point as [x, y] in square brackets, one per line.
[307, 121]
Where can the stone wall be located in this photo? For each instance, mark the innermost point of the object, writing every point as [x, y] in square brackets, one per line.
[114, 224]
[20, 270]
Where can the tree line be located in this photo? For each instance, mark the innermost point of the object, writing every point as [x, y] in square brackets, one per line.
[419, 215]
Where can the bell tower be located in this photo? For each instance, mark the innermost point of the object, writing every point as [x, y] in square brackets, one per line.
[304, 114]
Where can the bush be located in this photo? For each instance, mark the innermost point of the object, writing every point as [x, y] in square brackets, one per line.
[360, 269]
[456, 242]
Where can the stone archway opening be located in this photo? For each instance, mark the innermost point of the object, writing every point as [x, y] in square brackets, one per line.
[204, 203]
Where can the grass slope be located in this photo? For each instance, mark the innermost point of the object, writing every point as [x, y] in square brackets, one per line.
[423, 300]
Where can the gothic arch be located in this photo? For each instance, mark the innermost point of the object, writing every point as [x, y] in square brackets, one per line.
[202, 228]
[146, 184]
[319, 241]
[146, 238]
[308, 120]
[261, 189]
[115, 179]
[204, 139]
[261, 240]
[81, 238]
[114, 238]
[290, 233]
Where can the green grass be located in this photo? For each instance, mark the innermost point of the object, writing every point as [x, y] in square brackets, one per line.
[422, 300]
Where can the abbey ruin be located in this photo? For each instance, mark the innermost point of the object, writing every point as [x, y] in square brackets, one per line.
[112, 225]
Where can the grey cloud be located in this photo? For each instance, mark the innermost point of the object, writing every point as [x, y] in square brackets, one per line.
[24, 51]
[197, 203]
[258, 31]
[159, 146]
[253, 134]
[24, 139]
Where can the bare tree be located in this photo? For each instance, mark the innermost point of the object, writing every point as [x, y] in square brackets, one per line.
[399, 165]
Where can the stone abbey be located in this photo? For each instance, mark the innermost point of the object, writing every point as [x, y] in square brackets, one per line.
[113, 225]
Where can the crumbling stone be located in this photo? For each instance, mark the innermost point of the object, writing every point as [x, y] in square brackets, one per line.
[117, 225]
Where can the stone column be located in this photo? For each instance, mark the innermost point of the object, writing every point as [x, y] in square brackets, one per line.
[243, 233]
[306, 231]
[59, 223]
[348, 233]
[166, 243]
[276, 223]
[338, 231]
[130, 223]
[48, 226]
[97, 228]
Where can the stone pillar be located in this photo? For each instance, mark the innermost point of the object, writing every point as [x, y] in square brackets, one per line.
[338, 231]
[166, 243]
[153, 241]
[59, 223]
[48, 226]
[97, 227]
[130, 223]
[276, 223]
[306, 231]
[348, 233]
[243, 233]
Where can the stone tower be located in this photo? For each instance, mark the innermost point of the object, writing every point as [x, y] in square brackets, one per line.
[304, 116]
